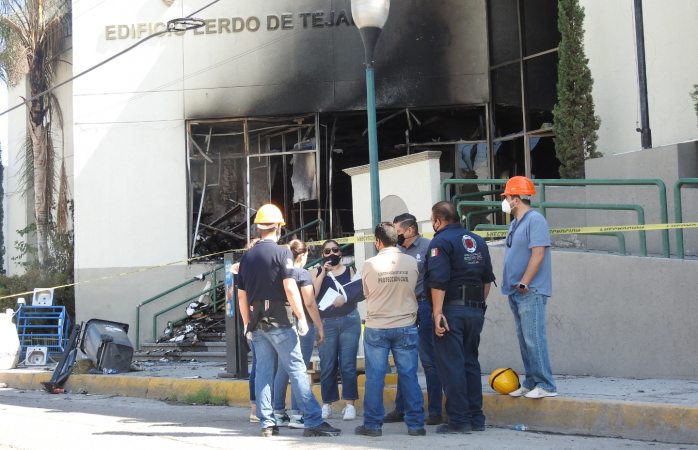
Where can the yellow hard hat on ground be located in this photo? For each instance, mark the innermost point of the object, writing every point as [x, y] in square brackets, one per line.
[269, 214]
[504, 380]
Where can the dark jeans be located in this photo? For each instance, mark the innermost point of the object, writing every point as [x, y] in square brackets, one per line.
[425, 324]
[338, 354]
[457, 360]
[252, 373]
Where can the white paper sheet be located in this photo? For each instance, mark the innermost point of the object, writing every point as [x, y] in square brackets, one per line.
[328, 299]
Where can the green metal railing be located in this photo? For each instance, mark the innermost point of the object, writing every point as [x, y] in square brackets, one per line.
[217, 281]
[678, 212]
[198, 278]
[543, 183]
[321, 234]
[593, 206]
[618, 235]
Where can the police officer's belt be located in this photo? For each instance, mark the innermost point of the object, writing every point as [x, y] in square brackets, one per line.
[470, 295]
[468, 303]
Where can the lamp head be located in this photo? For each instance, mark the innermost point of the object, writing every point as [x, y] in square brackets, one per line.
[370, 17]
[370, 13]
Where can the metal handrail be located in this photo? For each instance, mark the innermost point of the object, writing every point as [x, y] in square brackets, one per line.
[308, 225]
[212, 289]
[200, 277]
[617, 234]
[556, 205]
[467, 195]
[678, 212]
[542, 183]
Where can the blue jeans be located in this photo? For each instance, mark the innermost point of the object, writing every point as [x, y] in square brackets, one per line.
[281, 377]
[403, 342]
[457, 359]
[282, 343]
[425, 325]
[529, 316]
[338, 354]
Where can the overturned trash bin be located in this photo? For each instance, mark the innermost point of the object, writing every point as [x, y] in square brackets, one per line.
[106, 343]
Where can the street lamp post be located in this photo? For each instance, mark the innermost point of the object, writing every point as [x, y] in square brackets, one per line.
[370, 17]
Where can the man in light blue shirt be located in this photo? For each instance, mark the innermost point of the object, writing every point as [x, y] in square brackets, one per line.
[527, 281]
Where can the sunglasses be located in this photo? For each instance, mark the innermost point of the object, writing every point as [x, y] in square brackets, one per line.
[329, 250]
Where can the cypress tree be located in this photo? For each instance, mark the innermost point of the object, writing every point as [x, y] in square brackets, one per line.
[575, 123]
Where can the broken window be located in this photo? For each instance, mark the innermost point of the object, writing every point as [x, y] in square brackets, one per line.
[236, 165]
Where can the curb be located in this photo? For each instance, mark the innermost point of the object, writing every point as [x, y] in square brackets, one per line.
[629, 420]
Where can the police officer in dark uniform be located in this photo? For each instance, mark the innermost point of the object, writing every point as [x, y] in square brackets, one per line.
[458, 277]
[265, 285]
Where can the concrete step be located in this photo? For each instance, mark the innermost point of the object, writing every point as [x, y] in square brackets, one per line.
[181, 356]
[175, 351]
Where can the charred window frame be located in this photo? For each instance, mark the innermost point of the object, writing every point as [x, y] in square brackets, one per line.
[235, 165]
[523, 47]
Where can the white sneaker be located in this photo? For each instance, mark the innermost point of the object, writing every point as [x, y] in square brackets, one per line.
[281, 418]
[326, 411]
[296, 420]
[539, 392]
[520, 392]
[349, 412]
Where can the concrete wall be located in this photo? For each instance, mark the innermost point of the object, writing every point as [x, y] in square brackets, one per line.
[114, 294]
[609, 316]
[412, 181]
[672, 63]
[668, 163]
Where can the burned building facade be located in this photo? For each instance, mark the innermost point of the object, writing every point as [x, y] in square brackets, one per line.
[179, 140]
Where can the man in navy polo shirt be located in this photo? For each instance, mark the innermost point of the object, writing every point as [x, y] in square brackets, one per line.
[265, 284]
[457, 281]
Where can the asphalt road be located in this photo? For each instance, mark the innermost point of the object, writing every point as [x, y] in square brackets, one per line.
[34, 420]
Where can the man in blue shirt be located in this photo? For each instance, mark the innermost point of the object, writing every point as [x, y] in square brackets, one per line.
[458, 275]
[411, 243]
[527, 281]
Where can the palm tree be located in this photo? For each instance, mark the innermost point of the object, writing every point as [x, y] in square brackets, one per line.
[32, 34]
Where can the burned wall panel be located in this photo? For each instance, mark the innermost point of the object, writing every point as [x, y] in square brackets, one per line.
[431, 53]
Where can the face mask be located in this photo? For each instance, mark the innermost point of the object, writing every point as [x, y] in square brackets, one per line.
[332, 259]
[506, 207]
[400, 239]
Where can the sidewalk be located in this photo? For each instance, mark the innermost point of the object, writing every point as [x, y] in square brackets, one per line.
[653, 409]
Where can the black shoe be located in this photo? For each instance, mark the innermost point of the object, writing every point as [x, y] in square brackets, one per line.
[394, 416]
[434, 420]
[451, 429]
[477, 427]
[324, 429]
[270, 431]
[417, 432]
[363, 431]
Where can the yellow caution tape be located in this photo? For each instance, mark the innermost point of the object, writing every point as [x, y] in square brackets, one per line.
[569, 230]
[606, 229]
[370, 238]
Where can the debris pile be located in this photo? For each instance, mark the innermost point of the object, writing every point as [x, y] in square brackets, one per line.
[201, 323]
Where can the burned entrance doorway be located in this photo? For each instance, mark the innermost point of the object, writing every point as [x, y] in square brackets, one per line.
[236, 165]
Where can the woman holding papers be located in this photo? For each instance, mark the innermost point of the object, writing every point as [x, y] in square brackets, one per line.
[342, 326]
